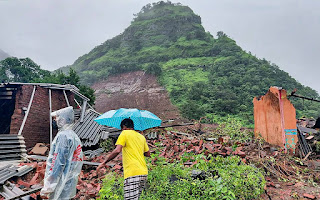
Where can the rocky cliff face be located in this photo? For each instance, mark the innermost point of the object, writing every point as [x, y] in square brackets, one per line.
[134, 90]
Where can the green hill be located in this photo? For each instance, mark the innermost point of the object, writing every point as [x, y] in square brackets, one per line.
[204, 75]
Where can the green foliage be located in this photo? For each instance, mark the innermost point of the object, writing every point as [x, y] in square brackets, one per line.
[317, 147]
[20, 70]
[232, 127]
[107, 145]
[220, 178]
[246, 120]
[112, 187]
[154, 69]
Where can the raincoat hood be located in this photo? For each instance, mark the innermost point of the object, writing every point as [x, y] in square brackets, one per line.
[64, 118]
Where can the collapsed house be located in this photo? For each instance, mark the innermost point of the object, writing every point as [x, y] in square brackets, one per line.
[275, 121]
[25, 116]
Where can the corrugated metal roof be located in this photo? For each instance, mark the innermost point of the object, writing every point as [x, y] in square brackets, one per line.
[89, 131]
[12, 147]
[10, 191]
[10, 171]
[47, 85]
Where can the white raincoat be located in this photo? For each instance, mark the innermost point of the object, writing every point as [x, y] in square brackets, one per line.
[65, 159]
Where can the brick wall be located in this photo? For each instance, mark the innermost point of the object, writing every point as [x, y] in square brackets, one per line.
[275, 119]
[37, 126]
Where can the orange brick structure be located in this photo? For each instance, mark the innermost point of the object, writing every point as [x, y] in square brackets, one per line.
[275, 119]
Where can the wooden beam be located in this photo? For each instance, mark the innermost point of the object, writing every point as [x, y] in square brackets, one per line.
[50, 118]
[28, 110]
[65, 96]
[83, 110]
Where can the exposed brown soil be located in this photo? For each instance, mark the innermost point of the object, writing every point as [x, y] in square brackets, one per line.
[134, 90]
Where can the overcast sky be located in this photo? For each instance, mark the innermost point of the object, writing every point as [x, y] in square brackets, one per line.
[54, 33]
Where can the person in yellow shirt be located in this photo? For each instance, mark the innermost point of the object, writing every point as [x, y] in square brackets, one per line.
[134, 147]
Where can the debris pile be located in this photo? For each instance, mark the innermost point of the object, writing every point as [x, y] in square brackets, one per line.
[171, 145]
[25, 179]
[309, 137]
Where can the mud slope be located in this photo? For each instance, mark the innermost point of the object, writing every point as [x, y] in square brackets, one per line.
[134, 90]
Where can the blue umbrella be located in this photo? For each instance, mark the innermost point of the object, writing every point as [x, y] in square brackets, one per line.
[142, 119]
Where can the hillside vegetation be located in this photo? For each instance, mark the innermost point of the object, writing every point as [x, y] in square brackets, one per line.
[205, 75]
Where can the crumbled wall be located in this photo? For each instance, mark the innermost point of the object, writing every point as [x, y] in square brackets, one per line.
[277, 126]
[37, 126]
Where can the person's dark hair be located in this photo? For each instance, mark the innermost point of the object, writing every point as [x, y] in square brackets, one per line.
[127, 122]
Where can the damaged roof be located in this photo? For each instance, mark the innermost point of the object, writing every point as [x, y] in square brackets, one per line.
[69, 87]
[89, 131]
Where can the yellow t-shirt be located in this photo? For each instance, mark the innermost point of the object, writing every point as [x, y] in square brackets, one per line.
[134, 145]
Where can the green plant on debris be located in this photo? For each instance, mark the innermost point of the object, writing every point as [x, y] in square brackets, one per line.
[232, 127]
[107, 144]
[218, 178]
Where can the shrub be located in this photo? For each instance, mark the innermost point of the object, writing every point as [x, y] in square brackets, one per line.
[107, 145]
[233, 127]
[218, 178]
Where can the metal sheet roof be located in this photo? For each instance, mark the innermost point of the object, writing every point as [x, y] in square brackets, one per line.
[10, 171]
[90, 131]
[12, 147]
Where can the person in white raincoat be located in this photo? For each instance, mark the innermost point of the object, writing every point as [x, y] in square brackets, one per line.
[65, 159]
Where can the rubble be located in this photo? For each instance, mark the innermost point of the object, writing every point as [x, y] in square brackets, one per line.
[171, 145]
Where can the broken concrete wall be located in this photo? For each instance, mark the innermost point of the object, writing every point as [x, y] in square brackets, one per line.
[37, 126]
[275, 119]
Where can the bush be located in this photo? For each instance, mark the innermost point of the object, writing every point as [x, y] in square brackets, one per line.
[107, 145]
[219, 178]
[232, 127]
